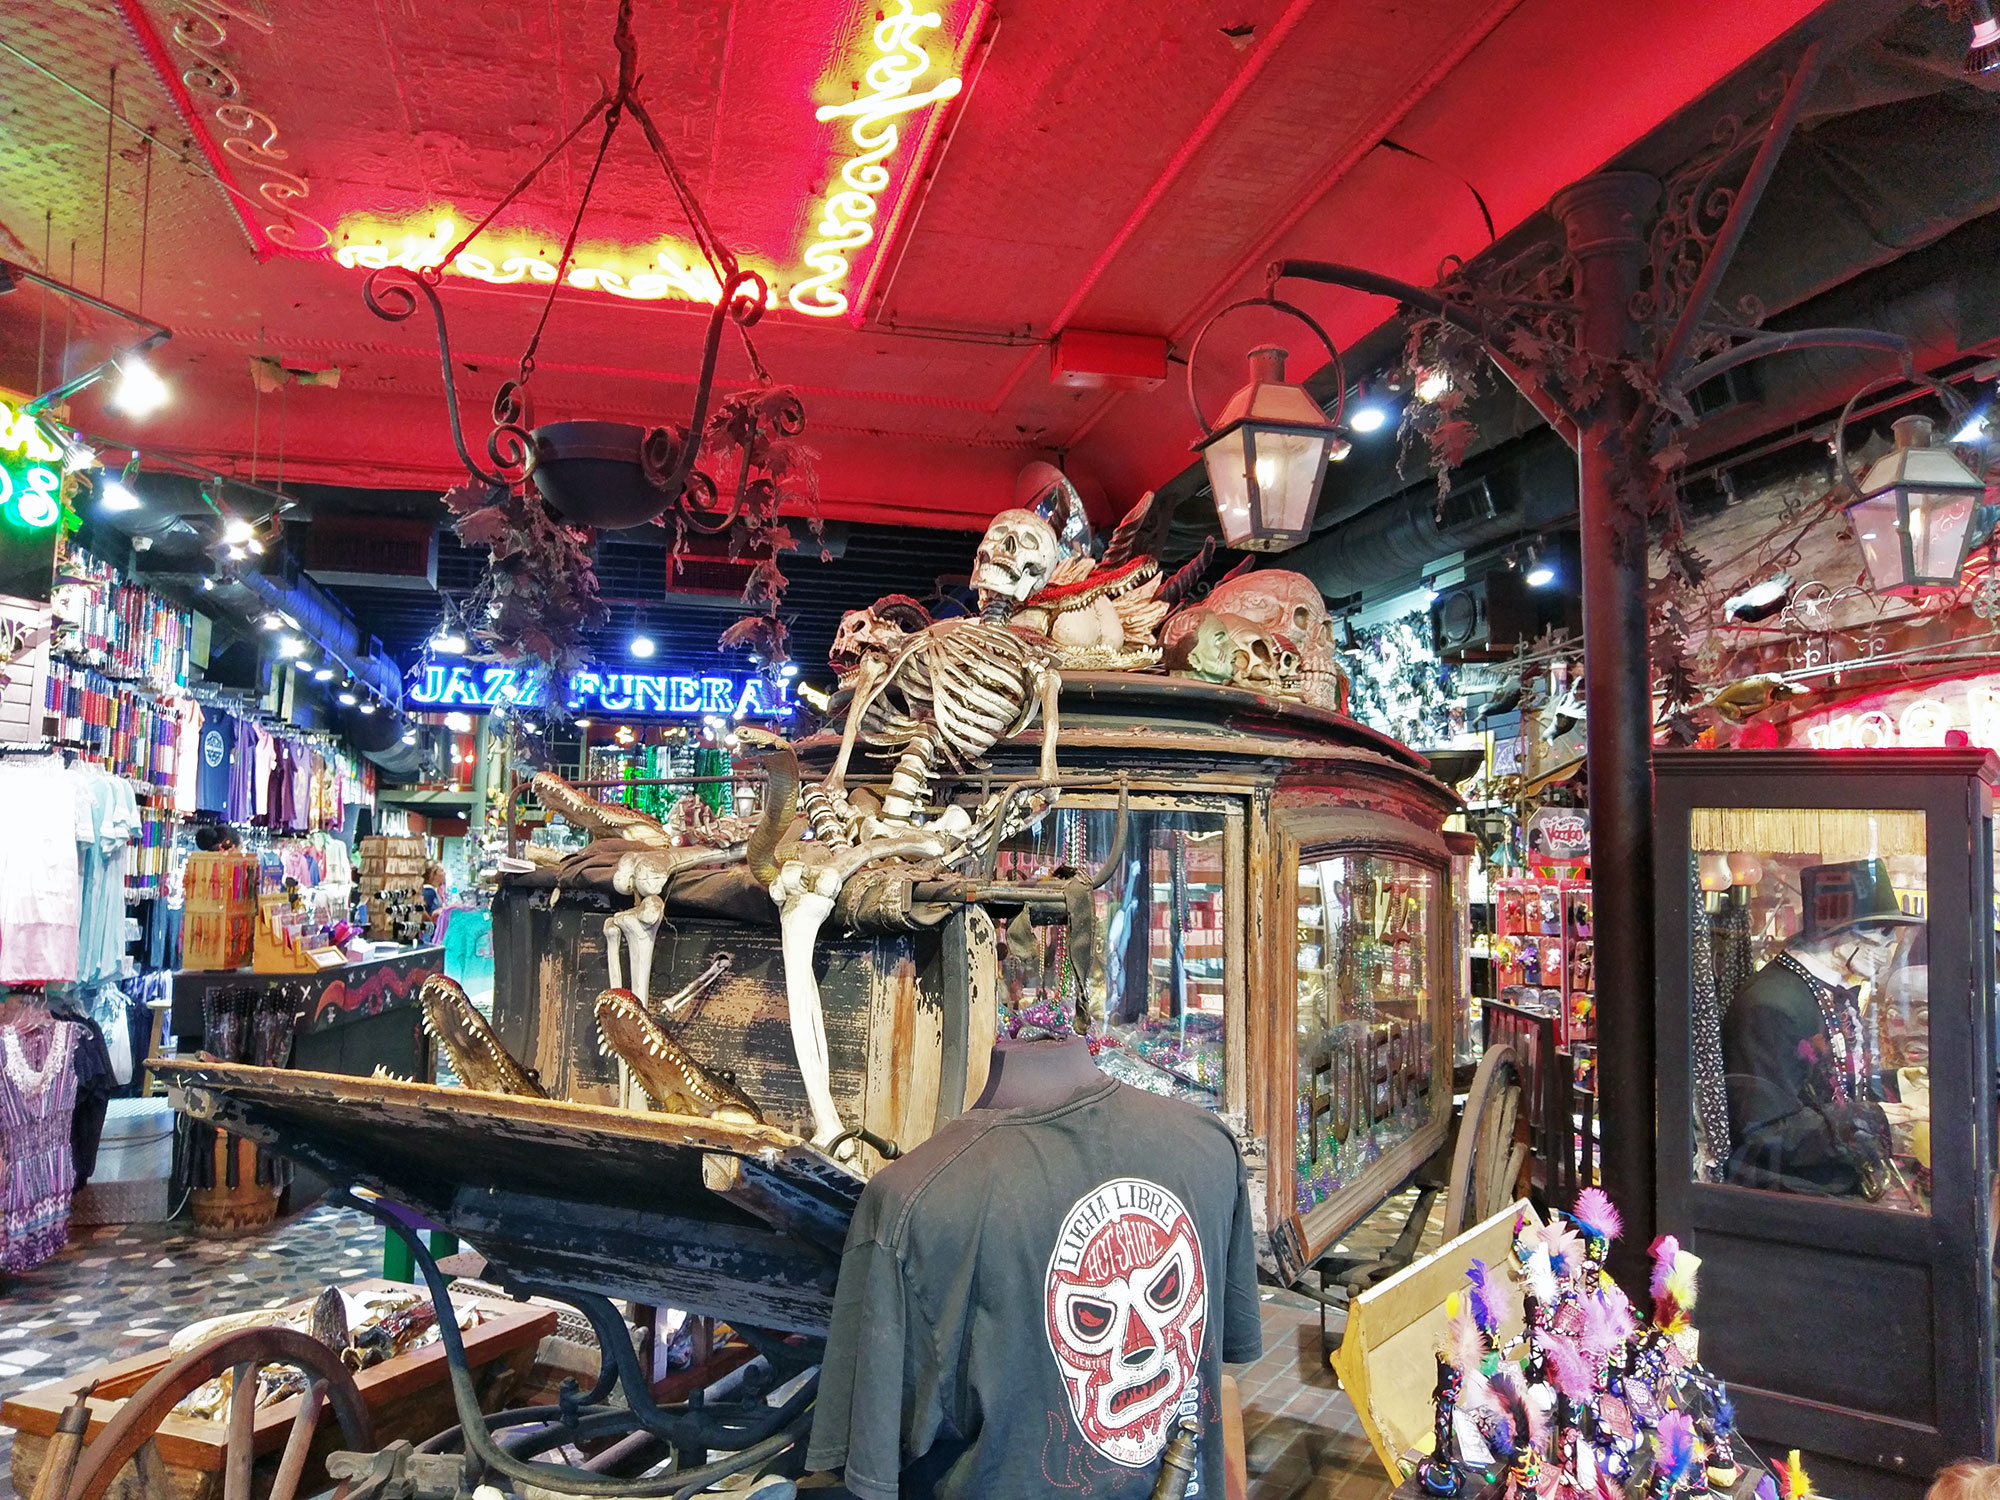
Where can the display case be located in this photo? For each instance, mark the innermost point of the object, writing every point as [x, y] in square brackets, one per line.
[1827, 1096]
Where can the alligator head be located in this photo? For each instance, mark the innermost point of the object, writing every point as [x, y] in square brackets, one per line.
[475, 1052]
[673, 1079]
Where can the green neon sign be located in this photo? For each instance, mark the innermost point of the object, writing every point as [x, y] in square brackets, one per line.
[30, 472]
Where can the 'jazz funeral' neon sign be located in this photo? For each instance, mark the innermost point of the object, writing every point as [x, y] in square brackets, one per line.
[470, 687]
[847, 215]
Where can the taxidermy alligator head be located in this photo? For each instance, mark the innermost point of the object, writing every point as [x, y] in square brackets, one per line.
[670, 1077]
[475, 1052]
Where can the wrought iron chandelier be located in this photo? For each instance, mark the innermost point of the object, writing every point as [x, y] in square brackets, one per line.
[593, 473]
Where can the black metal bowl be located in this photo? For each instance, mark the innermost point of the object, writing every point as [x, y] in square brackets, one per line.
[591, 474]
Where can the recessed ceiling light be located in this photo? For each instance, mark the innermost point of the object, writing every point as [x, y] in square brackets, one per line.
[140, 392]
[1370, 418]
[642, 646]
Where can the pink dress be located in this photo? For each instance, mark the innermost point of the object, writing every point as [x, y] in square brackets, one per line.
[37, 1165]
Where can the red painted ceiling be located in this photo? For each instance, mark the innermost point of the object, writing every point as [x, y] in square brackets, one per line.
[1122, 165]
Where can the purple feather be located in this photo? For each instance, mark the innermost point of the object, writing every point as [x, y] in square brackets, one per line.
[1483, 1299]
[1597, 1214]
[1565, 1248]
[1766, 1488]
[1673, 1448]
[1607, 1326]
[1569, 1371]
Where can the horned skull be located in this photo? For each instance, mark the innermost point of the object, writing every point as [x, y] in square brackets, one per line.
[1289, 606]
[874, 631]
[1016, 556]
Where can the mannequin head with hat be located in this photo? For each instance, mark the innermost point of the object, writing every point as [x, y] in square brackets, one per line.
[1853, 923]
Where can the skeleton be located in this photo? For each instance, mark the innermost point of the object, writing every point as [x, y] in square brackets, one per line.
[475, 1052]
[662, 1067]
[874, 631]
[642, 857]
[956, 688]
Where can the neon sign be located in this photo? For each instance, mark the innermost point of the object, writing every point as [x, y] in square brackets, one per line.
[847, 213]
[664, 693]
[1924, 719]
[30, 471]
[674, 272]
[471, 688]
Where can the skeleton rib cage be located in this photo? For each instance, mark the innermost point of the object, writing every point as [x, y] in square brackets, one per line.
[966, 684]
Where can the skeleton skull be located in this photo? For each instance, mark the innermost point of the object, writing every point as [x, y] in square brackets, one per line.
[1197, 644]
[1219, 647]
[874, 631]
[1016, 556]
[1289, 605]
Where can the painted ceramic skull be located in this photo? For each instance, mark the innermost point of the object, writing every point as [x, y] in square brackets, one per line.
[1016, 556]
[1196, 642]
[1289, 605]
[1219, 647]
[1127, 1305]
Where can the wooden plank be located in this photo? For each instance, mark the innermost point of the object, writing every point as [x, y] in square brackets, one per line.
[982, 1002]
[1385, 1361]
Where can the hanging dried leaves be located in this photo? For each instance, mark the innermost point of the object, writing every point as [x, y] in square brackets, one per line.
[540, 592]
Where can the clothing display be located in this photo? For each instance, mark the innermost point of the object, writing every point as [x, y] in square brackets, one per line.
[107, 815]
[41, 886]
[1034, 1297]
[37, 1161]
[216, 763]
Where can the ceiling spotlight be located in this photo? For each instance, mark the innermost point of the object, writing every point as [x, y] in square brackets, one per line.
[1974, 430]
[458, 723]
[368, 708]
[291, 646]
[77, 454]
[112, 495]
[234, 554]
[1984, 53]
[642, 646]
[236, 529]
[583, 723]
[1540, 576]
[1431, 385]
[409, 736]
[347, 699]
[789, 669]
[140, 392]
[254, 547]
[271, 621]
[324, 674]
[449, 642]
[208, 585]
[1372, 417]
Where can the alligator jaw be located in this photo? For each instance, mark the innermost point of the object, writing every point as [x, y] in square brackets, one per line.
[670, 1077]
[481, 1063]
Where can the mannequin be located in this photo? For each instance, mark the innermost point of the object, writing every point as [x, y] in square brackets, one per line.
[1043, 1071]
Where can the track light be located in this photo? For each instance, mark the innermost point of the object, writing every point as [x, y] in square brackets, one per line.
[291, 646]
[347, 699]
[271, 621]
[368, 708]
[1372, 417]
[1984, 53]
[238, 530]
[324, 674]
[140, 392]
[112, 495]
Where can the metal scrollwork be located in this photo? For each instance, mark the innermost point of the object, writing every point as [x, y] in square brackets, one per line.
[392, 293]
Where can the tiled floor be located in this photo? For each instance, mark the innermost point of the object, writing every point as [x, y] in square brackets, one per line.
[118, 1290]
[123, 1288]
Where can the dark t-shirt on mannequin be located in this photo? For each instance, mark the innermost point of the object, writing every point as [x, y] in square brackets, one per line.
[1030, 1300]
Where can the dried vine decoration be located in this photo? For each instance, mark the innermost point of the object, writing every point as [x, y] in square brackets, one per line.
[761, 429]
[540, 596]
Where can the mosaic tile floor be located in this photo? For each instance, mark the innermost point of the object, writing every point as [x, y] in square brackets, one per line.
[122, 1288]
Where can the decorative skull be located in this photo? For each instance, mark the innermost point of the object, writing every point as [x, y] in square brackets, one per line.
[1127, 1303]
[1196, 642]
[1015, 557]
[874, 631]
[1289, 605]
[1218, 647]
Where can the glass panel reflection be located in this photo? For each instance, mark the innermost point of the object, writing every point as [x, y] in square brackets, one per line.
[1364, 1014]
[1153, 997]
[1811, 1014]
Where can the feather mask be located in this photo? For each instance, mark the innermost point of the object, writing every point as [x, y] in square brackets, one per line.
[1597, 1215]
[1673, 1450]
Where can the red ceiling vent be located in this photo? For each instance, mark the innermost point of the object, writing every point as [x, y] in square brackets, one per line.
[1093, 361]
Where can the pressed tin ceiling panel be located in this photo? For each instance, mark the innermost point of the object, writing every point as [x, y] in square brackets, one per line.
[1120, 164]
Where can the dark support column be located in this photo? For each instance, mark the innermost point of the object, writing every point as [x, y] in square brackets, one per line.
[1606, 219]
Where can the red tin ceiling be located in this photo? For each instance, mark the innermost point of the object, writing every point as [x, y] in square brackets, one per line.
[1118, 165]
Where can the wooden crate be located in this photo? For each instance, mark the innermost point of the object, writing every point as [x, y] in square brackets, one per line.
[407, 1397]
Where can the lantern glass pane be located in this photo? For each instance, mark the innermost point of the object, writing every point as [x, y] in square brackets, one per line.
[1939, 521]
[1229, 478]
[1289, 466]
[1878, 529]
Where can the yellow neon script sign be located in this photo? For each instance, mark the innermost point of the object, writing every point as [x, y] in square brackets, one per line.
[30, 471]
[673, 273]
[847, 215]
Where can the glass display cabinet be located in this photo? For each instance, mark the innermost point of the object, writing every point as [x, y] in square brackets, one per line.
[1827, 1096]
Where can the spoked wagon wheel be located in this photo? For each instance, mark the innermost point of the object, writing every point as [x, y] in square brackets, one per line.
[1488, 1157]
[129, 1435]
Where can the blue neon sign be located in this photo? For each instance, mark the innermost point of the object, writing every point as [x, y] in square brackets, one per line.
[471, 688]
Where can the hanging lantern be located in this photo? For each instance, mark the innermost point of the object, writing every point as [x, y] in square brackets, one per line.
[1267, 459]
[1915, 511]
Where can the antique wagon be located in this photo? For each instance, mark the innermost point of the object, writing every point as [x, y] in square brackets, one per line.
[1268, 932]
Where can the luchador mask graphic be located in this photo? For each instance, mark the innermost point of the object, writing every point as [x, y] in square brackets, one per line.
[1127, 1304]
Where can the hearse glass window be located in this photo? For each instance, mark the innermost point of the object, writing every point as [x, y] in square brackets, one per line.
[1810, 1007]
[1364, 1014]
[1152, 994]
